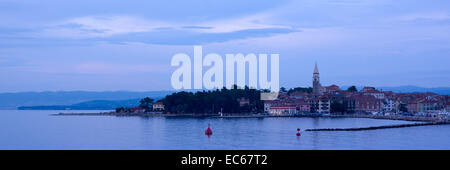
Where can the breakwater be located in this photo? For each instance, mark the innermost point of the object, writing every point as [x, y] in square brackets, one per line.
[381, 127]
[390, 117]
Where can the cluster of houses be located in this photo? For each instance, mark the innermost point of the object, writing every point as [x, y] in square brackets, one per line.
[328, 99]
[333, 99]
[368, 100]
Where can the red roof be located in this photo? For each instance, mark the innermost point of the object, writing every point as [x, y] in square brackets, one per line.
[160, 102]
[299, 94]
[283, 107]
[369, 89]
[332, 88]
[427, 101]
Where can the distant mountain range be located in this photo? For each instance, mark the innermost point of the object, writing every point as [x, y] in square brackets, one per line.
[67, 98]
[89, 105]
[111, 99]
[410, 89]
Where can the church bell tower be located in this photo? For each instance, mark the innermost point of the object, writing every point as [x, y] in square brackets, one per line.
[317, 88]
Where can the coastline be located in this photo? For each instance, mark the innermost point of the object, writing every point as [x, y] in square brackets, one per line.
[160, 114]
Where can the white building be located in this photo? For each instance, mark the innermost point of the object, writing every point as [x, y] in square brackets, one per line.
[268, 104]
[324, 106]
[282, 110]
[158, 106]
[388, 105]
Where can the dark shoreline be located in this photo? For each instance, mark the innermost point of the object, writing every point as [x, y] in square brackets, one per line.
[160, 114]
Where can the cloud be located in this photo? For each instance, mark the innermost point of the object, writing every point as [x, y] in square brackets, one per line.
[251, 22]
[120, 29]
[102, 26]
[110, 38]
[106, 68]
[90, 68]
[196, 27]
[193, 38]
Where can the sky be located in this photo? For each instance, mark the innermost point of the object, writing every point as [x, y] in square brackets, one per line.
[110, 45]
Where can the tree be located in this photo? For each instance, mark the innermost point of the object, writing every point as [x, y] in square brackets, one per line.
[403, 108]
[120, 110]
[300, 89]
[352, 89]
[146, 102]
[215, 101]
[282, 89]
[338, 107]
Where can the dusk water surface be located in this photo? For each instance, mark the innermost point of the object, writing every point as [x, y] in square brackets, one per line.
[38, 130]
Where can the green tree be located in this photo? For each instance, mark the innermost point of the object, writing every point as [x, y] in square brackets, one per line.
[146, 103]
[300, 89]
[338, 107]
[352, 89]
[403, 107]
[215, 101]
[120, 110]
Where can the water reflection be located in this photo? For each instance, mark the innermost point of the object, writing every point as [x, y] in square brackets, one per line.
[38, 130]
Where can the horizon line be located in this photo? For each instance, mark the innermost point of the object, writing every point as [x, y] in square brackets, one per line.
[173, 90]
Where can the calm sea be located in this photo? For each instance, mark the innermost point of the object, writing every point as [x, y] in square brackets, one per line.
[39, 130]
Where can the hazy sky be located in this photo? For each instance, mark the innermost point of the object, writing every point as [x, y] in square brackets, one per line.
[102, 45]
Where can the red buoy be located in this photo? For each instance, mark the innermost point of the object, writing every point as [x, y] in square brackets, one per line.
[298, 132]
[208, 131]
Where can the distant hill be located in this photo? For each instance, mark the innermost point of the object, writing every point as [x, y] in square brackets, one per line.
[89, 105]
[411, 89]
[82, 99]
[65, 98]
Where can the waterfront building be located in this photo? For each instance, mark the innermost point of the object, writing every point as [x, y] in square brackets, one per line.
[325, 105]
[412, 106]
[428, 104]
[388, 105]
[320, 104]
[158, 106]
[442, 101]
[302, 105]
[268, 104]
[402, 100]
[283, 110]
[447, 108]
[373, 92]
[367, 104]
[350, 104]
